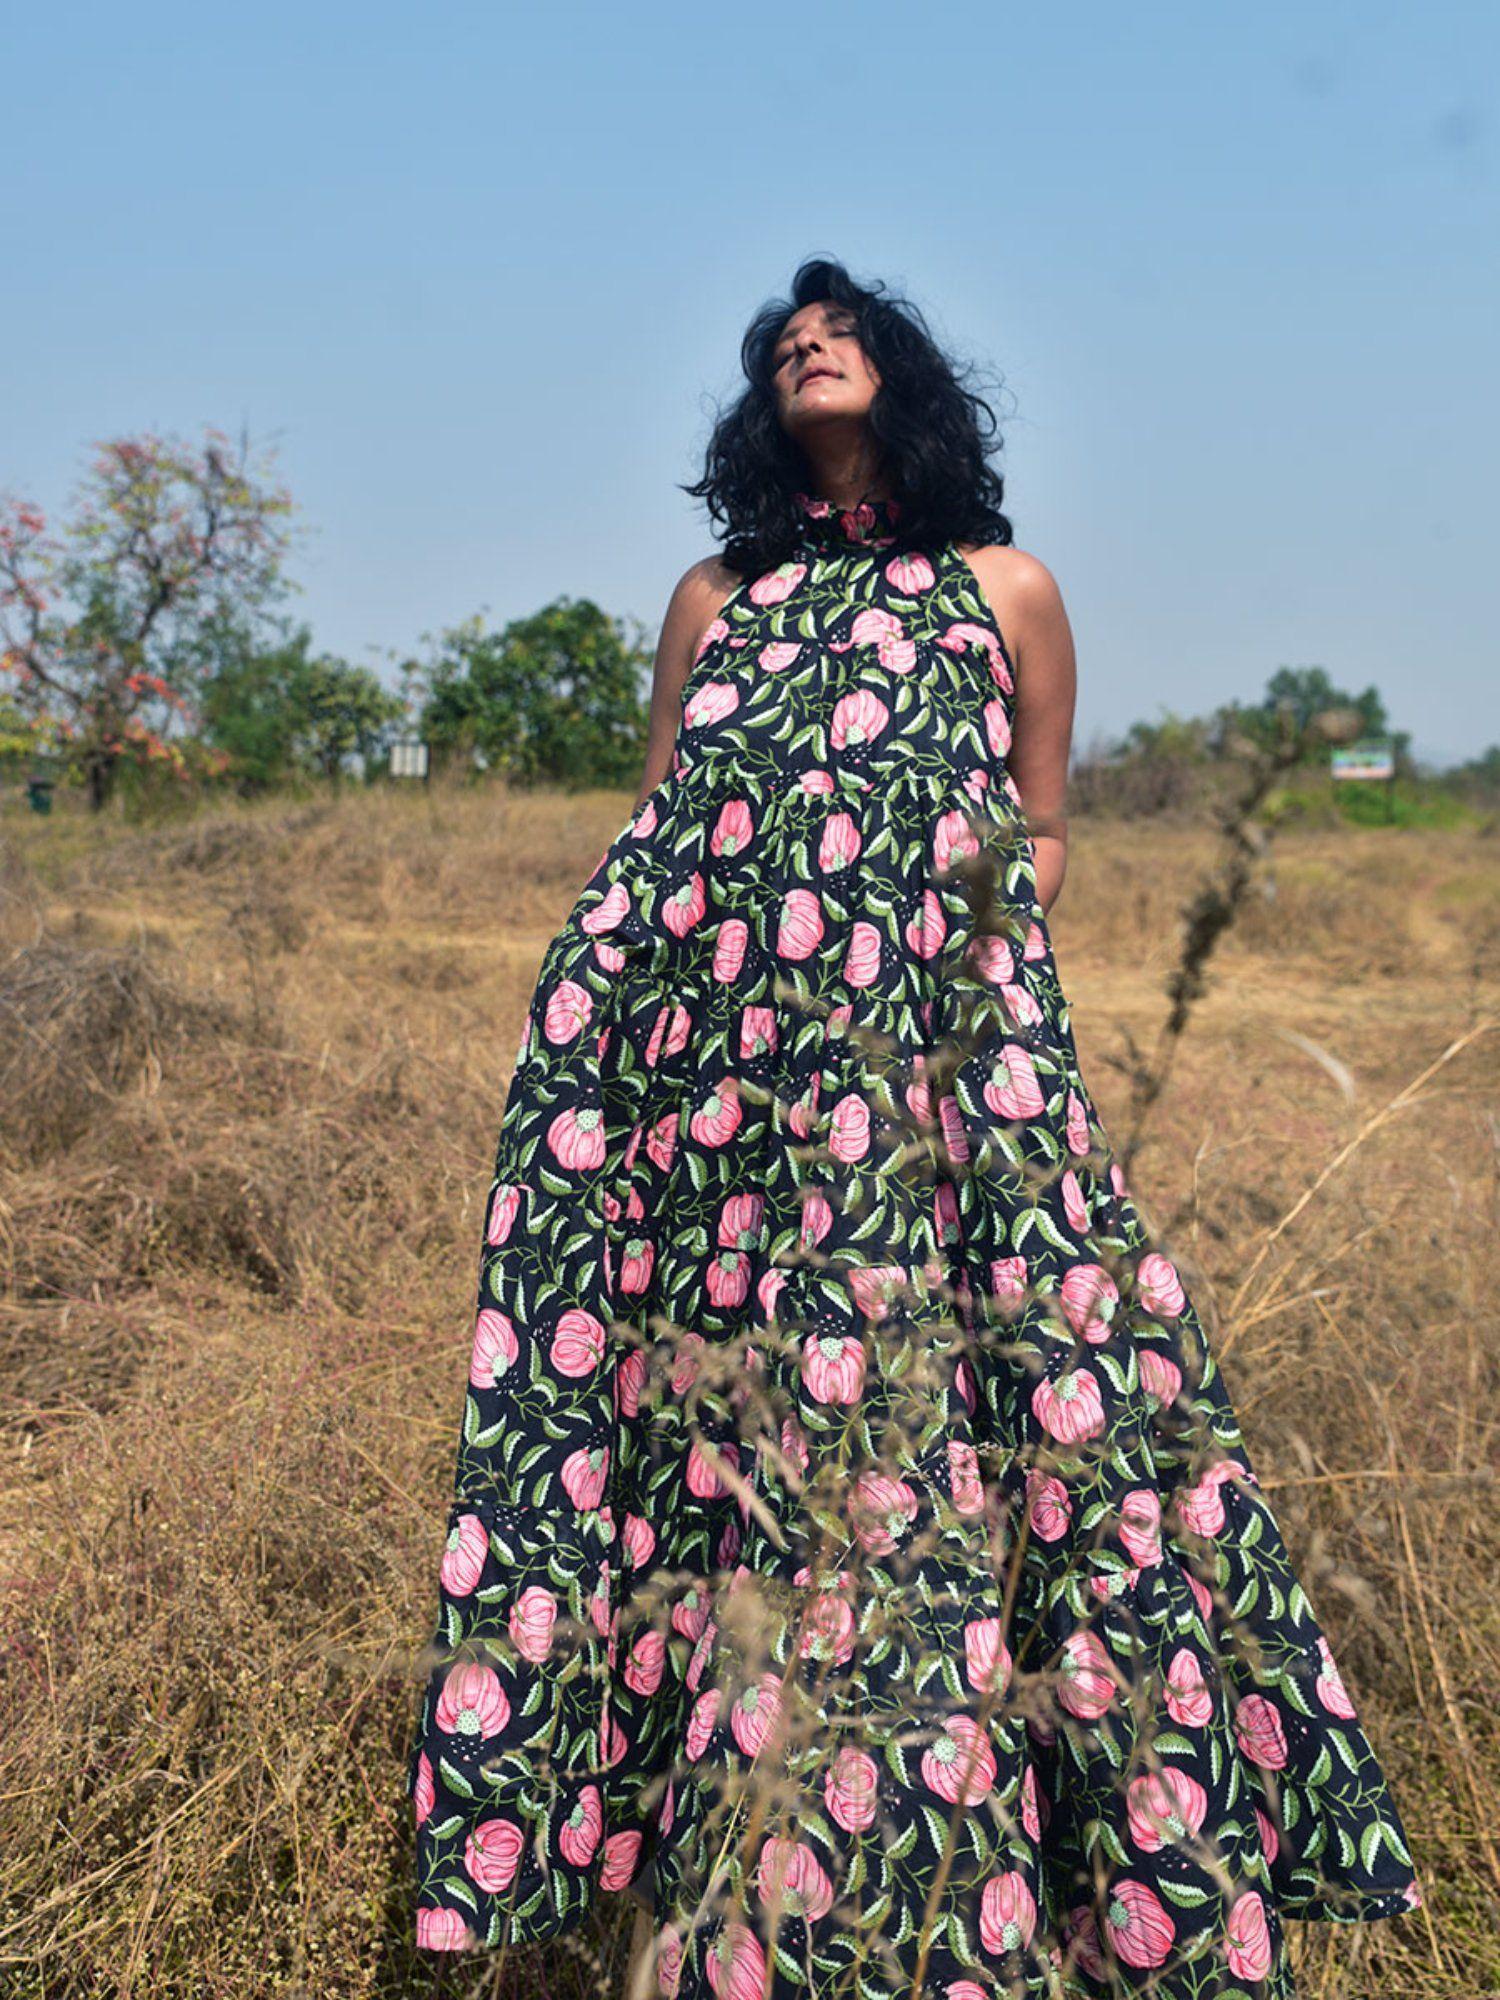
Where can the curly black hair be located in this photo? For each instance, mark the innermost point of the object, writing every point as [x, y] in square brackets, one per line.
[935, 436]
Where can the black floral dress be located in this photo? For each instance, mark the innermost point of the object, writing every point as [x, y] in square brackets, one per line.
[853, 1538]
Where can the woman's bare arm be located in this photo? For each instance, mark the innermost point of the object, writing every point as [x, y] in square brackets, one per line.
[690, 610]
[1029, 610]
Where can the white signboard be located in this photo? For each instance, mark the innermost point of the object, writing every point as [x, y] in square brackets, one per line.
[1375, 758]
[408, 757]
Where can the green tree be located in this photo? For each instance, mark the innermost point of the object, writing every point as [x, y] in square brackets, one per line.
[553, 698]
[282, 711]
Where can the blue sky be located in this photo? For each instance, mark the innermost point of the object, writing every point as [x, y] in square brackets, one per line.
[479, 274]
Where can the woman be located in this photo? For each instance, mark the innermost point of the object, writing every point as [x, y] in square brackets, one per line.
[854, 1548]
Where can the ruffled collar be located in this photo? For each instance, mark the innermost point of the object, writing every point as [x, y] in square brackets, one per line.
[870, 524]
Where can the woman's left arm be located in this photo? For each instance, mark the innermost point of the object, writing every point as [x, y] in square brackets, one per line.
[1029, 610]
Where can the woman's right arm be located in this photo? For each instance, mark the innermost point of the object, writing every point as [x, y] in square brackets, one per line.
[691, 610]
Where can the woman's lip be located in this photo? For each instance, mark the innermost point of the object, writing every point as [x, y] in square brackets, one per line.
[818, 375]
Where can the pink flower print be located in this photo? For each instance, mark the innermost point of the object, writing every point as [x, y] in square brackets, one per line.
[578, 1344]
[874, 627]
[1007, 1914]
[472, 1702]
[777, 655]
[960, 1766]
[828, 1629]
[755, 1715]
[1330, 1687]
[840, 844]
[1259, 1732]
[622, 1856]
[964, 1989]
[585, 1475]
[607, 914]
[910, 574]
[1270, 1840]
[1077, 1124]
[777, 585]
[635, 1265]
[661, 1141]
[858, 718]
[682, 910]
[702, 1722]
[690, 1614]
[1013, 1090]
[997, 728]
[668, 1963]
[817, 1217]
[569, 1008]
[816, 784]
[638, 1539]
[1164, 1808]
[686, 1356]
[463, 1558]
[734, 829]
[881, 1509]
[704, 1474]
[1090, 1300]
[443, 1930]
[1139, 1928]
[1086, 1684]
[532, 1618]
[580, 1832]
[953, 839]
[791, 1879]
[800, 930]
[993, 960]
[728, 1278]
[955, 1138]
[576, 1139]
[716, 1123]
[1160, 1287]
[1035, 946]
[849, 1138]
[492, 1853]
[1075, 1207]
[1008, 1283]
[876, 1287]
[630, 1379]
[1031, 1811]
[1024, 1007]
[716, 629]
[833, 1367]
[1080, 1940]
[1247, 1942]
[1071, 1408]
[1201, 1507]
[729, 951]
[758, 1035]
[495, 1348]
[862, 960]
[737, 1965]
[713, 702]
[768, 1290]
[851, 1790]
[926, 931]
[1189, 1700]
[1160, 1378]
[1140, 1526]
[424, 1791]
[504, 1202]
[740, 1221]
[794, 1445]
[1048, 1504]
[964, 1481]
[648, 1659]
[987, 1660]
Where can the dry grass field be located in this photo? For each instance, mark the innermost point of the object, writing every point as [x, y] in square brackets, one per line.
[252, 1066]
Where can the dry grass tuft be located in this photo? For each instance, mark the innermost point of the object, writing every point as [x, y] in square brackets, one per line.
[252, 1074]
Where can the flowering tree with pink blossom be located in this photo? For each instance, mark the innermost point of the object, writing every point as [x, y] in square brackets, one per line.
[101, 621]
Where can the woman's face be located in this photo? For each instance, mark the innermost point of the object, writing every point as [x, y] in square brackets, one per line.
[818, 370]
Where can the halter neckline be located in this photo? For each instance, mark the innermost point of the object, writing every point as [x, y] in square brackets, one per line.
[871, 523]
